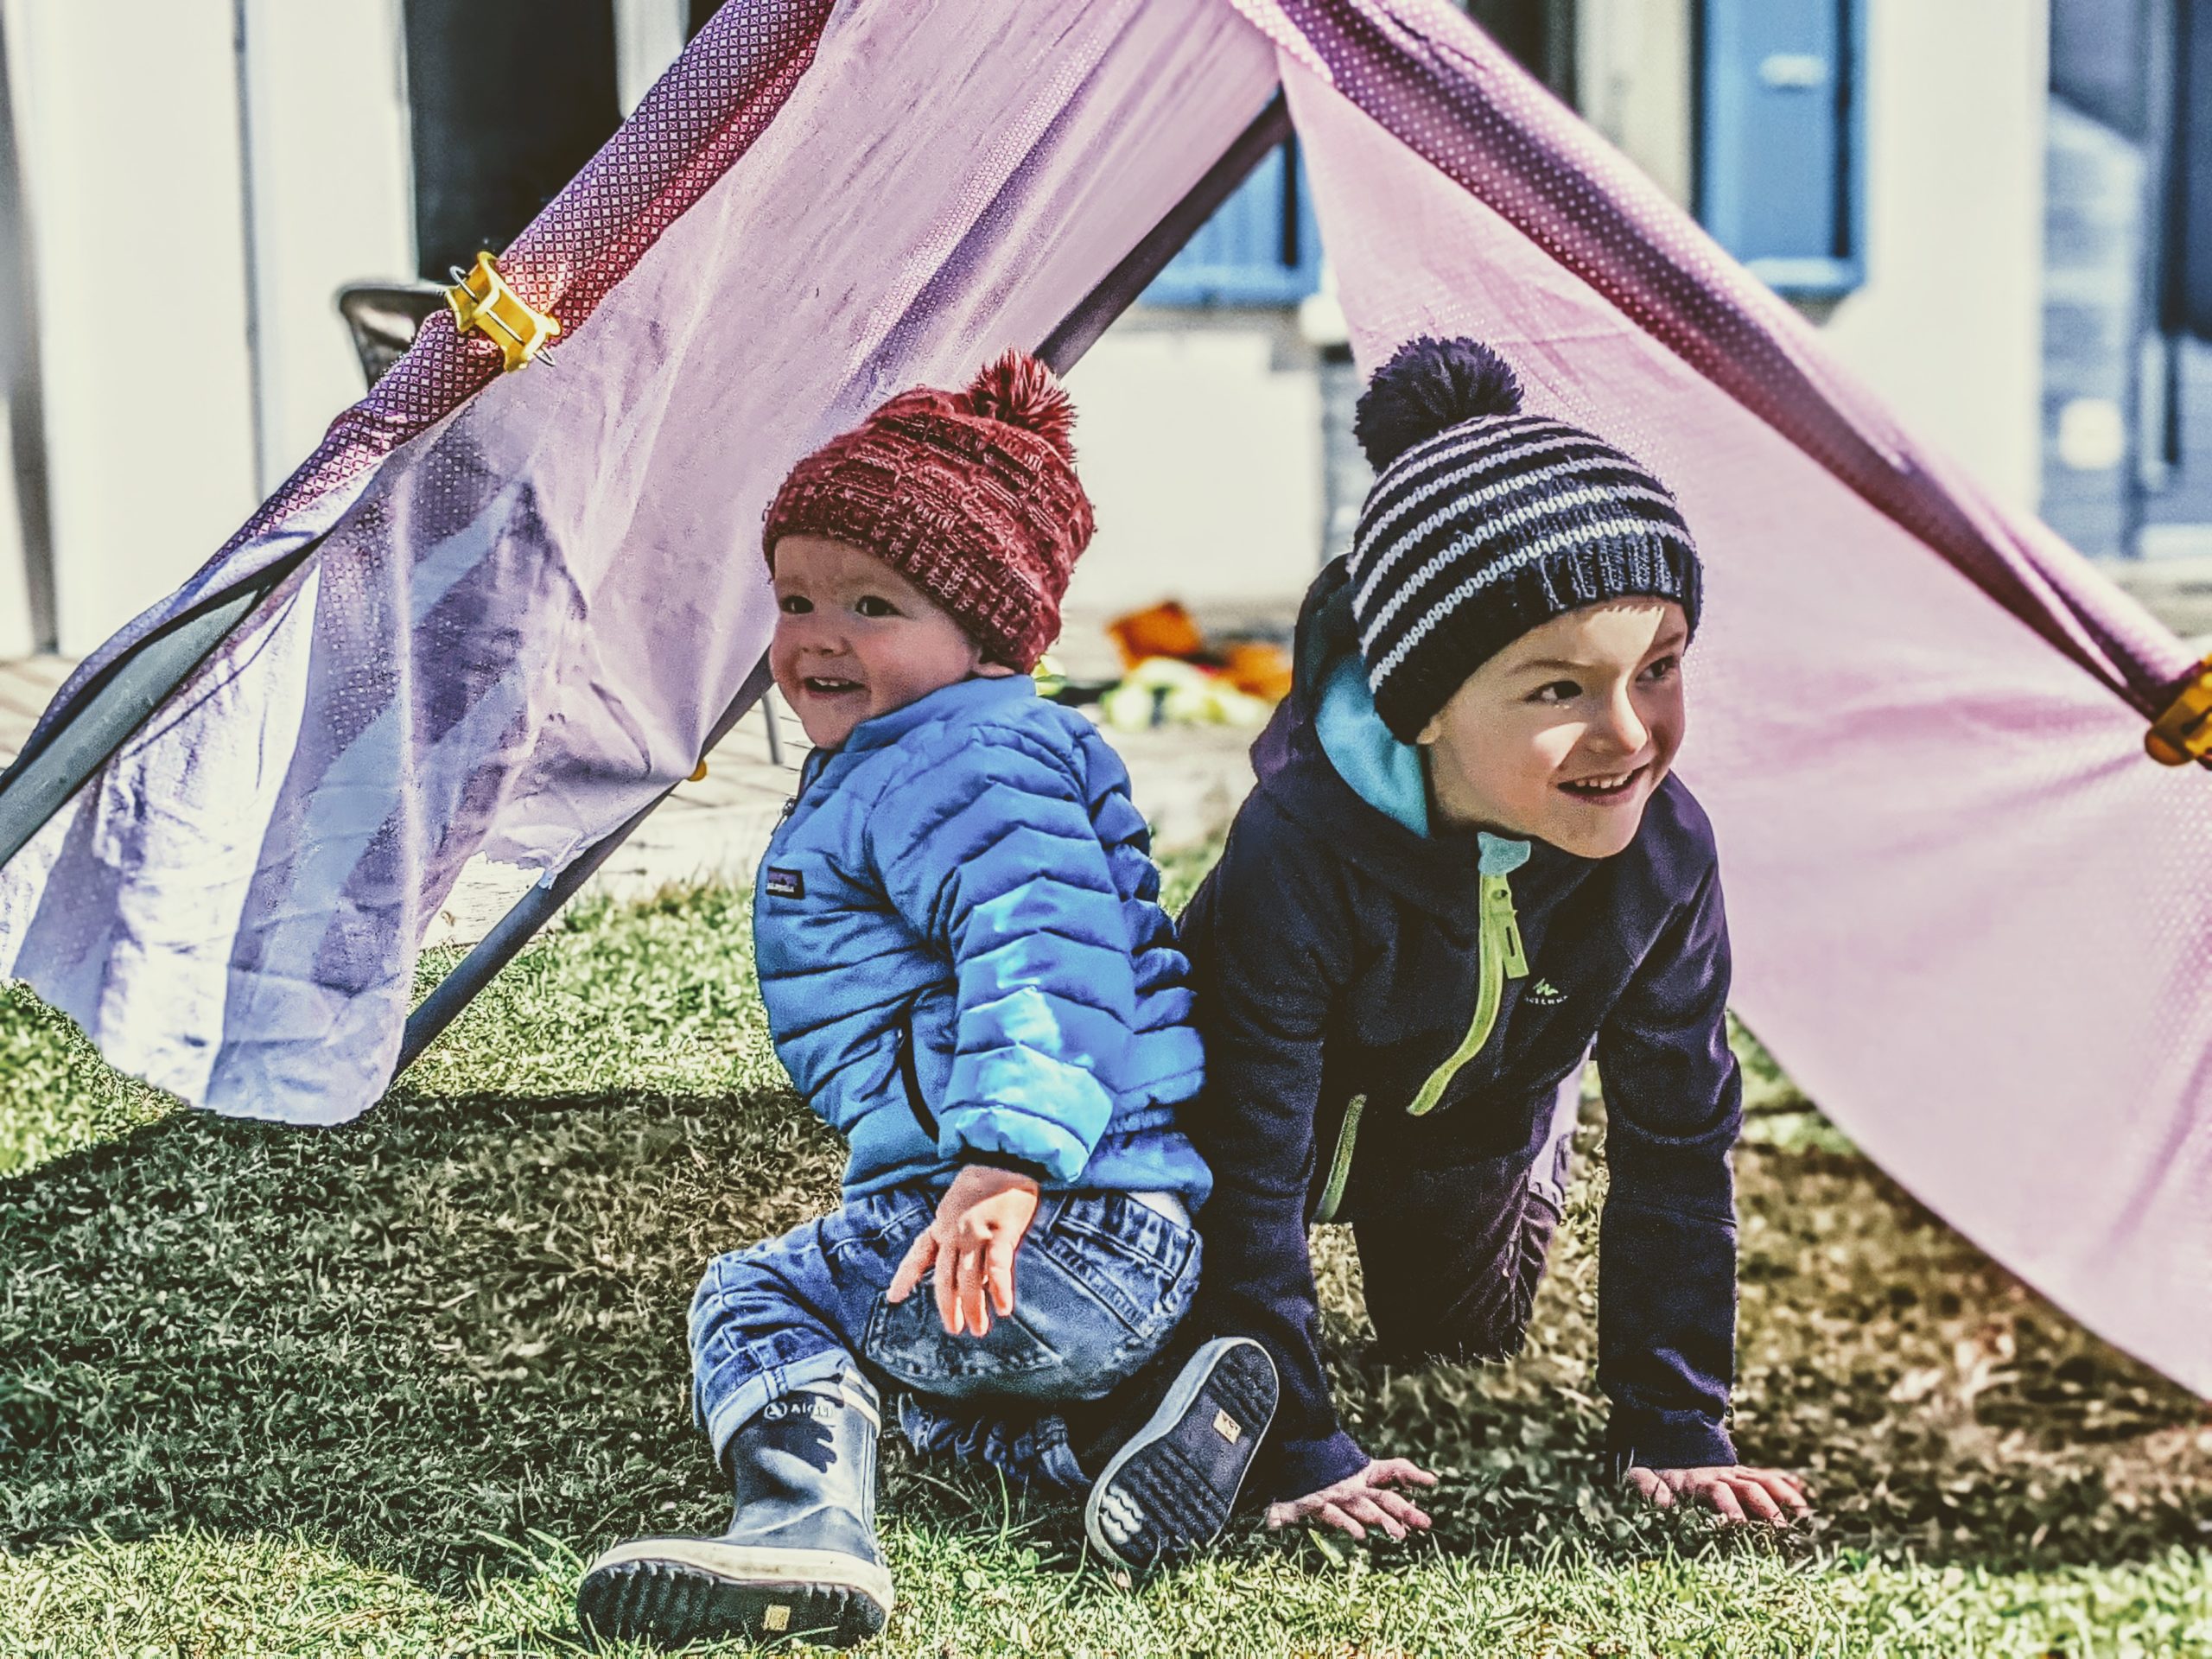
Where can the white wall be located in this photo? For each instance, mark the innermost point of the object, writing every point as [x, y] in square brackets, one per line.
[1634, 73]
[1949, 326]
[25, 614]
[19, 632]
[190, 351]
[128, 124]
[1203, 459]
[332, 201]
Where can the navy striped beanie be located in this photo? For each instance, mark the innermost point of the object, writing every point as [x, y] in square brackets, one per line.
[1484, 522]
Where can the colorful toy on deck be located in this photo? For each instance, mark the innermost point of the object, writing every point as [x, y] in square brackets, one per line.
[1174, 676]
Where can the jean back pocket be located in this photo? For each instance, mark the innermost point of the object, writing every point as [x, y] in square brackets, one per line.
[1139, 1264]
[1096, 1292]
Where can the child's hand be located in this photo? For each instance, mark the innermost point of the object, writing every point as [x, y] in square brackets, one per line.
[1735, 1493]
[1361, 1501]
[980, 1222]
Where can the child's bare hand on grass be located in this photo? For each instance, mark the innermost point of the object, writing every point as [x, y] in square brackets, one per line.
[980, 1223]
[1358, 1502]
[1735, 1493]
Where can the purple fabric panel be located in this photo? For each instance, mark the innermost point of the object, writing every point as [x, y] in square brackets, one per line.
[713, 103]
[1439, 85]
[520, 629]
[1970, 915]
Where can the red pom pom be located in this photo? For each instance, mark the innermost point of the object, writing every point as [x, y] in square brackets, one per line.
[1020, 390]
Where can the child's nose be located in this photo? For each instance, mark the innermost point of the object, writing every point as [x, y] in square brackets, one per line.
[812, 634]
[1624, 725]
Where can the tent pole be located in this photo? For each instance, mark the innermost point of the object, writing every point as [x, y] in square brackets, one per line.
[119, 701]
[1095, 313]
[538, 906]
[126, 694]
[1077, 332]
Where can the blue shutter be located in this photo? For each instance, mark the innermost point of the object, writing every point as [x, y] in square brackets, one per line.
[1262, 246]
[1781, 165]
[2191, 235]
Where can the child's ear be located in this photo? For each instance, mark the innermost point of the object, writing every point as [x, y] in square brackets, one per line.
[1426, 736]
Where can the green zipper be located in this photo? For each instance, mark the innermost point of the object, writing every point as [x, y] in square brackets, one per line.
[1340, 1166]
[1500, 958]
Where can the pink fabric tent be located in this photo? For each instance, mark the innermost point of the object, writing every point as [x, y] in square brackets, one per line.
[1969, 913]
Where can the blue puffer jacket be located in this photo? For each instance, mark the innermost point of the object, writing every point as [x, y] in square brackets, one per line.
[963, 956]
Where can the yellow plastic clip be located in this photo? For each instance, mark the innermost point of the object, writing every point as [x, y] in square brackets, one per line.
[2183, 732]
[482, 302]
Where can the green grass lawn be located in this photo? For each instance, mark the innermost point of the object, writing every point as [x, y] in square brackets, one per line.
[378, 1390]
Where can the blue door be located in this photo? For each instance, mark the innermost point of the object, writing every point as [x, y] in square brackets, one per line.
[1261, 247]
[1781, 155]
[2192, 164]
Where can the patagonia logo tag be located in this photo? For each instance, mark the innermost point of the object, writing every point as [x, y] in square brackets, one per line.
[785, 884]
[1545, 994]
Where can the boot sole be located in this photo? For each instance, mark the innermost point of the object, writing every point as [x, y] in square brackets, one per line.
[1169, 1491]
[672, 1592]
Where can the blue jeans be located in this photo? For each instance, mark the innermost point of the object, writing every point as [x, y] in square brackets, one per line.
[1100, 1282]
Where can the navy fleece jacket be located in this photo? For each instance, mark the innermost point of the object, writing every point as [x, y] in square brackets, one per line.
[1334, 951]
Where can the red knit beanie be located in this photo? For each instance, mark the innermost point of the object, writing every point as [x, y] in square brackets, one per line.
[971, 496]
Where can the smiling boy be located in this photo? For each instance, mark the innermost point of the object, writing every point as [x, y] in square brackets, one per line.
[1466, 865]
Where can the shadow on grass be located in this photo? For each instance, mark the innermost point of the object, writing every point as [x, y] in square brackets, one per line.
[455, 1317]
[1938, 1405]
[424, 1337]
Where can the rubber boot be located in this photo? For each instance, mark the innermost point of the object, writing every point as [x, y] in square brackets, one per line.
[1170, 1488]
[800, 1557]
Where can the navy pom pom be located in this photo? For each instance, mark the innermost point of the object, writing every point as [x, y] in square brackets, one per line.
[1428, 386]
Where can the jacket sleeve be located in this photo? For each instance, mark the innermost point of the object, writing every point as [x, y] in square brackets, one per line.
[1667, 1242]
[1269, 944]
[988, 851]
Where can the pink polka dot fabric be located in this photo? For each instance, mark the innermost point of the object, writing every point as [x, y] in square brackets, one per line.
[1970, 915]
[521, 625]
[1444, 90]
[704, 113]
[701, 116]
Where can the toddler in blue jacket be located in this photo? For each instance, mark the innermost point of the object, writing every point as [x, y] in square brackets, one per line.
[968, 974]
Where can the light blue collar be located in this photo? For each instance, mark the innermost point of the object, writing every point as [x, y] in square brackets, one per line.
[1385, 773]
[1502, 855]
